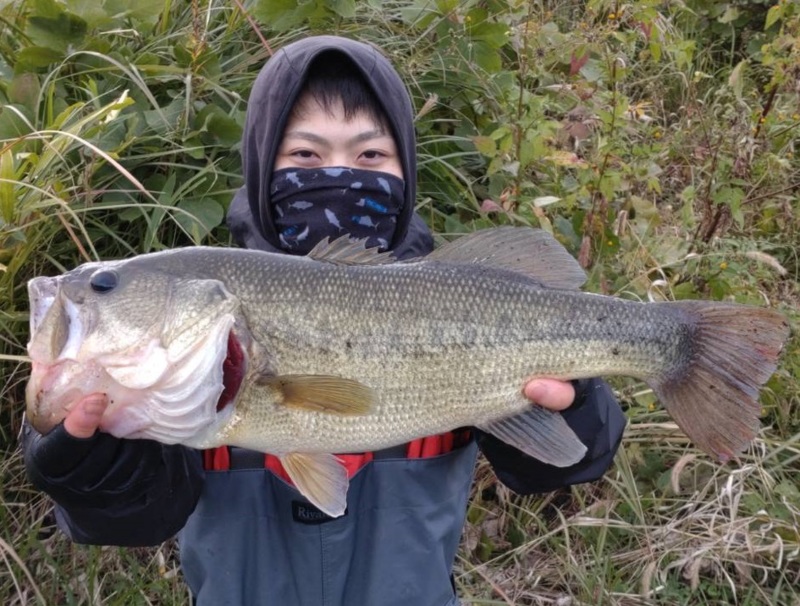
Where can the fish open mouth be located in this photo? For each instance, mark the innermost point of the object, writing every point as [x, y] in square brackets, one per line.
[232, 372]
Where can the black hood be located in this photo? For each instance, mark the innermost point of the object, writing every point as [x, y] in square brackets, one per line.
[272, 98]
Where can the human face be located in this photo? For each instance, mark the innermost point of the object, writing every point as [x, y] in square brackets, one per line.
[316, 138]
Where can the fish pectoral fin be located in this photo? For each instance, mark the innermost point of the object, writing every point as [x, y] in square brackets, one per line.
[531, 252]
[539, 433]
[323, 393]
[321, 478]
[349, 251]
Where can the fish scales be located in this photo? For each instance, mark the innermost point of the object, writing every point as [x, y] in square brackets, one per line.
[474, 340]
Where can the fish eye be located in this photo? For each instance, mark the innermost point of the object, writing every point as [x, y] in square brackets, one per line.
[104, 281]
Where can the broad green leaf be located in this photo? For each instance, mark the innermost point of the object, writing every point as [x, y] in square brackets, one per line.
[343, 8]
[684, 290]
[93, 12]
[283, 14]
[731, 14]
[419, 13]
[199, 216]
[485, 145]
[731, 197]
[453, 226]
[565, 229]
[49, 9]
[774, 14]
[12, 124]
[495, 35]
[217, 126]
[32, 58]
[168, 119]
[655, 49]
[593, 71]
[58, 31]
[142, 13]
[24, 89]
[445, 6]
[481, 54]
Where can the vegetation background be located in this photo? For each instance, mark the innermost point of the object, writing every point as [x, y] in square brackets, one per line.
[657, 139]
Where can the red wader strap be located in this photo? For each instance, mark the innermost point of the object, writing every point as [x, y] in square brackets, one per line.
[218, 459]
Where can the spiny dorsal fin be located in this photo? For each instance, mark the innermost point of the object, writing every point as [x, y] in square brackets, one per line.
[349, 251]
[323, 393]
[532, 252]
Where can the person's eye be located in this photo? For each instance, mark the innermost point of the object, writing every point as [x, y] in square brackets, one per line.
[373, 156]
[303, 158]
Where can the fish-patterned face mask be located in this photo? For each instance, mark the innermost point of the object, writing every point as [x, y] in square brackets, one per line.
[312, 203]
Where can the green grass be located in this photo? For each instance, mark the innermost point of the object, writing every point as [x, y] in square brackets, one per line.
[684, 186]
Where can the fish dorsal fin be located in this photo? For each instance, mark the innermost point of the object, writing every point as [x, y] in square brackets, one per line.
[349, 251]
[531, 252]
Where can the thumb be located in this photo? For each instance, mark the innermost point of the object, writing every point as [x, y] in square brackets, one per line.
[550, 393]
[83, 420]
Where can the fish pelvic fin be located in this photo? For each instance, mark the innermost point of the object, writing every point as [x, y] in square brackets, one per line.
[531, 252]
[323, 393]
[714, 398]
[321, 478]
[349, 251]
[539, 433]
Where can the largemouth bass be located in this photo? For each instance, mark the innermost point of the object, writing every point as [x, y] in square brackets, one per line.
[345, 351]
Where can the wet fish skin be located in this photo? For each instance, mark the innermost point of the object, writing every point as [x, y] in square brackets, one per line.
[411, 349]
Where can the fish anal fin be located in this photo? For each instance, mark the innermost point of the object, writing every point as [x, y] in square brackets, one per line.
[349, 251]
[323, 393]
[321, 478]
[530, 252]
[539, 433]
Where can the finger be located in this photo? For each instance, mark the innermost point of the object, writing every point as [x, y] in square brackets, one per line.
[550, 393]
[84, 419]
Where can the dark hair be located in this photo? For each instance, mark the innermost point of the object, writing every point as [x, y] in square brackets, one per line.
[332, 78]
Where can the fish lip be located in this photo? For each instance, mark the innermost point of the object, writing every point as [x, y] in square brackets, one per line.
[42, 293]
[43, 415]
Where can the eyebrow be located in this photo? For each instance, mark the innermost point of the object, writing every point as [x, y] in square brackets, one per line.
[366, 135]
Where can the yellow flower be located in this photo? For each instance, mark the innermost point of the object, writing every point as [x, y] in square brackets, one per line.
[611, 16]
[723, 265]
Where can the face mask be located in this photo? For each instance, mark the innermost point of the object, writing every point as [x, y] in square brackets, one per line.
[312, 203]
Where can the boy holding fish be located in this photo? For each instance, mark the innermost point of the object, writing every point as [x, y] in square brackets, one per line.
[328, 149]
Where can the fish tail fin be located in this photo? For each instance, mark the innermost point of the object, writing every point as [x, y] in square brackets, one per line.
[714, 397]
